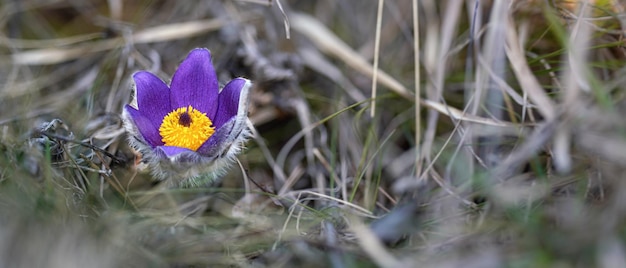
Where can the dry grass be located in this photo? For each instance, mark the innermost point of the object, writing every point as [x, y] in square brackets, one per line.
[504, 147]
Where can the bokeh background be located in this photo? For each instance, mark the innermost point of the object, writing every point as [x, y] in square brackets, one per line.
[386, 134]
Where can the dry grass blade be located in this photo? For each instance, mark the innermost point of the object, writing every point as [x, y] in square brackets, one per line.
[175, 31]
[47, 43]
[159, 33]
[524, 75]
[373, 246]
[458, 115]
[285, 20]
[418, 88]
[575, 85]
[331, 44]
[379, 19]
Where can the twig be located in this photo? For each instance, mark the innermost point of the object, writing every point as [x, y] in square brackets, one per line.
[90, 146]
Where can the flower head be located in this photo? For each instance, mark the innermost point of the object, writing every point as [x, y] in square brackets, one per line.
[189, 131]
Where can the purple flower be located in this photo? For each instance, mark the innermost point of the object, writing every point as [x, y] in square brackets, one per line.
[190, 131]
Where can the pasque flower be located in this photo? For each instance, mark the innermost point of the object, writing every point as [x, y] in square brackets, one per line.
[190, 131]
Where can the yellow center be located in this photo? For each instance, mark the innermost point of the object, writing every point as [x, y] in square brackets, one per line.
[186, 128]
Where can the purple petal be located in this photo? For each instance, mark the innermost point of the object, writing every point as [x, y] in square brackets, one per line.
[211, 147]
[153, 100]
[146, 127]
[228, 101]
[195, 83]
[171, 151]
[178, 156]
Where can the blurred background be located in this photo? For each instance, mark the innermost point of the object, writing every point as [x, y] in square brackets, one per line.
[386, 134]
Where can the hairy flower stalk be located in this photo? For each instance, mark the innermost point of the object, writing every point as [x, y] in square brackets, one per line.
[190, 131]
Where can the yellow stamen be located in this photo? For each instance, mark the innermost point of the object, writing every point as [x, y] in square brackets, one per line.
[186, 128]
